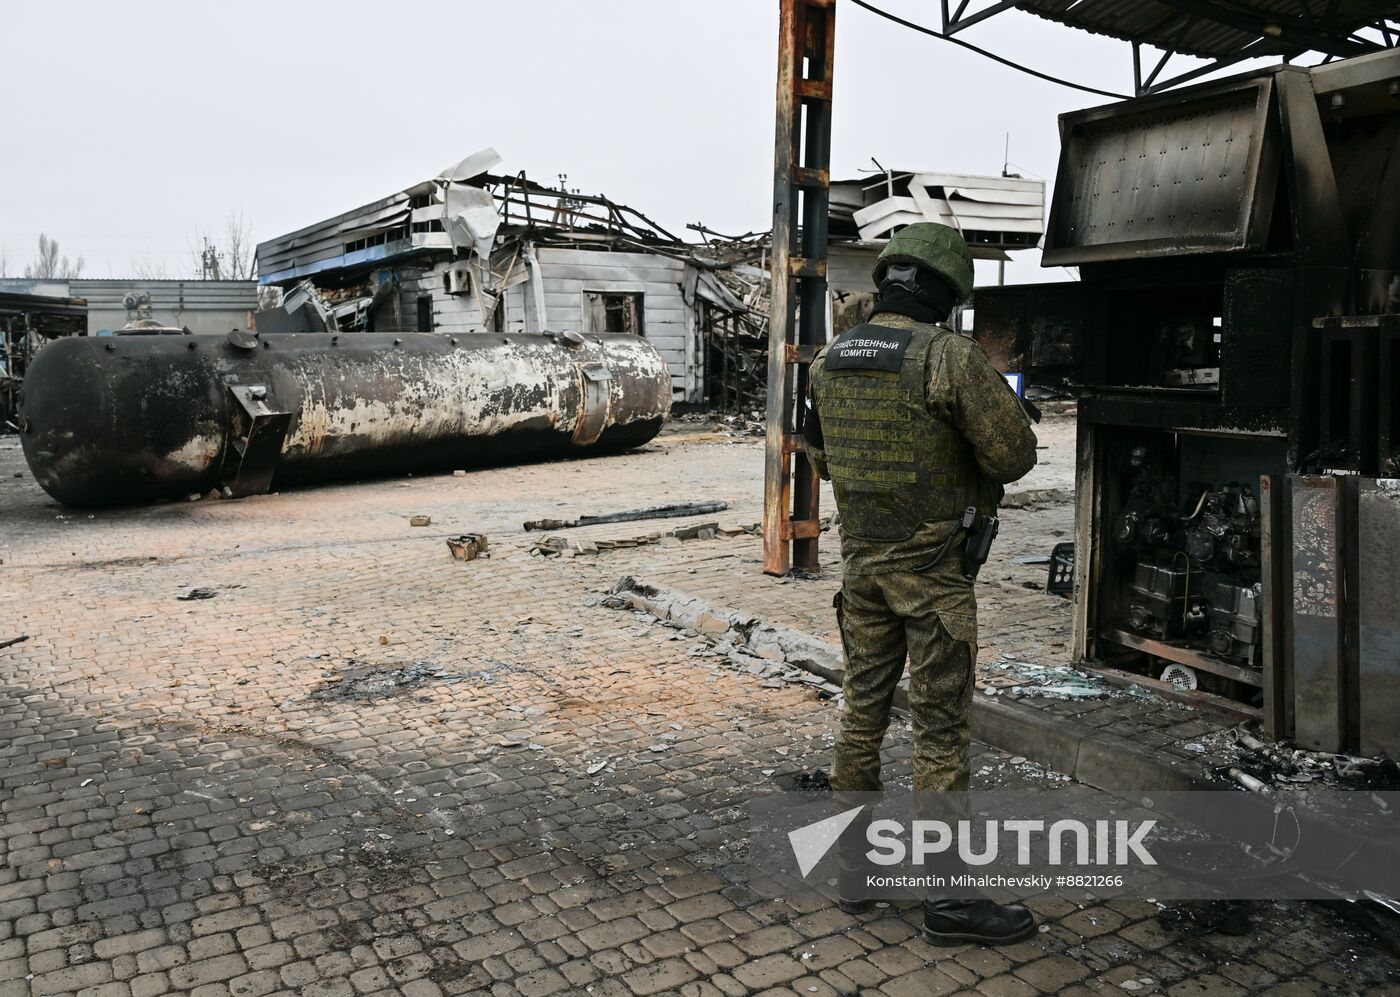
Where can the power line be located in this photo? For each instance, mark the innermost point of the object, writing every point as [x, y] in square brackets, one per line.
[990, 55]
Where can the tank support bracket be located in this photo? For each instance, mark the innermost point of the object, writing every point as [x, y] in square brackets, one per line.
[253, 457]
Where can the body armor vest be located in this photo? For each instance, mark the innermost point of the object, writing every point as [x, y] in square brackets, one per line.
[893, 464]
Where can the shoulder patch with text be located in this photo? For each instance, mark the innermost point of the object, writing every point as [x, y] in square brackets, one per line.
[868, 347]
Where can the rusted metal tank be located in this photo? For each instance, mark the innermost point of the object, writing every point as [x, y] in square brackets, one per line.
[107, 421]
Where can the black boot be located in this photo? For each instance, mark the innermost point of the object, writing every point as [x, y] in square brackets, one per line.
[957, 922]
[852, 890]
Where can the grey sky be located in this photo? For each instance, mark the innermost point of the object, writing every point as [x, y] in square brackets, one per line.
[132, 126]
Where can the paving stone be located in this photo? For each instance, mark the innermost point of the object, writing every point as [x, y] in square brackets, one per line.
[236, 812]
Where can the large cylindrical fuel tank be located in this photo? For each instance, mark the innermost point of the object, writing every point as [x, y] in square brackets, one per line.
[132, 419]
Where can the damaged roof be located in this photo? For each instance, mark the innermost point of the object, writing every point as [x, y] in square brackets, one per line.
[462, 208]
[994, 214]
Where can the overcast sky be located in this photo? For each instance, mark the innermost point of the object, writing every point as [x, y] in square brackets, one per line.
[131, 127]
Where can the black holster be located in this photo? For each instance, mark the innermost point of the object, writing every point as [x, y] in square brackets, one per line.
[979, 542]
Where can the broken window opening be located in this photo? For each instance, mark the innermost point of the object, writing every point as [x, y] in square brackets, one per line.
[378, 239]
[425, 313]
[614, 311]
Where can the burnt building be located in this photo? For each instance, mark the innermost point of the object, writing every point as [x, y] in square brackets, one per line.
[27, 322]
[475, 250]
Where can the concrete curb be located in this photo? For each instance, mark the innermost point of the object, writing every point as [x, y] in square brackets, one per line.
[1092, 758]
[1095, 759]
[1036, 496]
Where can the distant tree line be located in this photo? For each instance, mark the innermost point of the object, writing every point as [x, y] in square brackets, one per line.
[48, 263]
[225, 255]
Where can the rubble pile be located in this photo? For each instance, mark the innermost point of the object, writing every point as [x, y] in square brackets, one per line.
[743, 424]
[731, 640]
[369, 682]
[1262, 766]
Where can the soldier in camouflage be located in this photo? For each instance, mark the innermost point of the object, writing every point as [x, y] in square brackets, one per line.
[912, 424]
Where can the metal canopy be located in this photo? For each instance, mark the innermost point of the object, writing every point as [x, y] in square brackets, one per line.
[1223, 33]
[1222, 30]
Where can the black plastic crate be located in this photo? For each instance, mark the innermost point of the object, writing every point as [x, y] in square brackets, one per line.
[1061, 578]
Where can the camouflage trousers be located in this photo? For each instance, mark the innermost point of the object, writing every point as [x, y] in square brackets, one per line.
[885, 618]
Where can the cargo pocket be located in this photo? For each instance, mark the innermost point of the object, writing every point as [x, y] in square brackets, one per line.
[960, 626]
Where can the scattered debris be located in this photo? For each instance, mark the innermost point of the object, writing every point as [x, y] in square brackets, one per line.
[744, 424]
[653, 512]
[1248, 781]
[363, 682]
[1051, 682]
[553, 546]
[197, 593]
[420, 520]
[816, 781]
[1026, 498]
[14, 640]
[1283, 765]
[1226, 917]
[735, 641]
[468, 546]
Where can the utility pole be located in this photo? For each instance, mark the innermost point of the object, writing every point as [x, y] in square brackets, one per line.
[797, 314]
[209, 261]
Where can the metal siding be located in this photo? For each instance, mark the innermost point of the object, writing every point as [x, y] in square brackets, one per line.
[567, 273]
[204, 306]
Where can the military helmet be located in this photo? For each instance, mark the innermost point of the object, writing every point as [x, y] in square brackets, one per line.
[935, 247]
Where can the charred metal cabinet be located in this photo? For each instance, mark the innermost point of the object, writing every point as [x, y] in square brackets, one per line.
[1234, 347]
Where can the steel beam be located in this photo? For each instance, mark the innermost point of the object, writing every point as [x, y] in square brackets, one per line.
[797, 312]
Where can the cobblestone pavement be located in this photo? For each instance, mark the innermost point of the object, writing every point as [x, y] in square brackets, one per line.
[287, 745]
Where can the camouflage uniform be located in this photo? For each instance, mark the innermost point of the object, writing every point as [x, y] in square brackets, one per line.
[907, 450]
